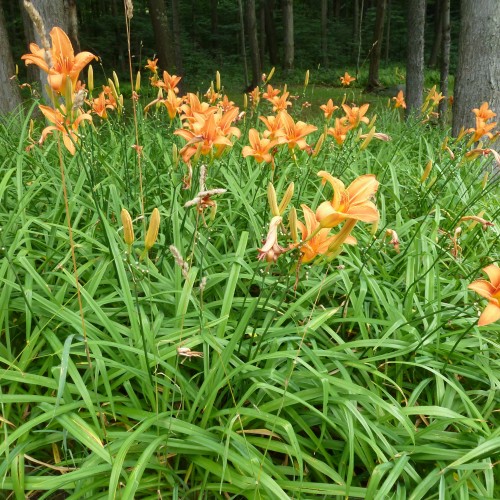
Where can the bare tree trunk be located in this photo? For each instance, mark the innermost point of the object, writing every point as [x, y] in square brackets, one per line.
[271, 32]
[262, 35]
[253, 39]
[324, 32]
[355, 31]
[243, 46]
[415, 58]
[176, 25]
[445, 58]
[438, 34]
[478, 70]
[214, 26]
[388, 32]
[162, 33]
[376, 50]
[10, 97]
[288, 52]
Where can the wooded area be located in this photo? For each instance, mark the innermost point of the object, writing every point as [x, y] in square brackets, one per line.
[242, 38]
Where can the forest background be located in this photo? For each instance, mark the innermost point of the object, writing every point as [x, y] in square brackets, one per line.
[201, 36]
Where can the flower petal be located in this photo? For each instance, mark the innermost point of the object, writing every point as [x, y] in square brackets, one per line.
[482, 287]
[493, 273]
[490, 314]
[362, 188]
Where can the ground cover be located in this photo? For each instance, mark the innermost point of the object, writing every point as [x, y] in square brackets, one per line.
[218, 320]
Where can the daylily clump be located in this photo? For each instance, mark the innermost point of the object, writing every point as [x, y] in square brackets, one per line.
[348, 206]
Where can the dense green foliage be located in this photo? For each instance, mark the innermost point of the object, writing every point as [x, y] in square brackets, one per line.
[366, 377]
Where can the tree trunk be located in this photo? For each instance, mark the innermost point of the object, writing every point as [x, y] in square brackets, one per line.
[445, 58]
[388, 32]
[478, 69]
[243, 46]
[415, 57]
[10, 97]
[214, 26]
[176, 24]
[271, 32]
[162, 33]
[376, 50]
[438, 34]
[356, 33]
[253, 39]
[288, 49]
[324, 32]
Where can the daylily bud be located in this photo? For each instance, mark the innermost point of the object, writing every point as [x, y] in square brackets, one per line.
[245, 101]
[273, 201]
[128, 228]
[292, 220]
[152, 234]
[117, 82]
[90, 79]
[138, 81]
[432, 182]
[427, 171]
[306, 81]
[319, 145]
[217, 81]
[368, 139]
[286, 199]
[271, 73]
[485, 180]
[68, 93]
[372, 122]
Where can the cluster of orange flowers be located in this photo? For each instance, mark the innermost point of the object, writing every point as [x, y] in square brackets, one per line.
[63, 69]
[347, 207]
[483, 128]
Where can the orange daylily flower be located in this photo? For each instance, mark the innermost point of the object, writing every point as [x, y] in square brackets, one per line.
[62, 61]
[351, 203]
[271, 93]
[193, 106]
[294, 133]
[172, 103]
[482, 129]
[152, 65]
[484, 112]
[255, 96]
[489, 290]
[63, 124]
[169, 82]
[328, 109]
[259, 148]
[273, 126]
[280, 103]
[354, 116]
[346, 79]
[99, 106]
[339, 132]
[400, 100]
[226, 104]
[208, 131]
[316, 240]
